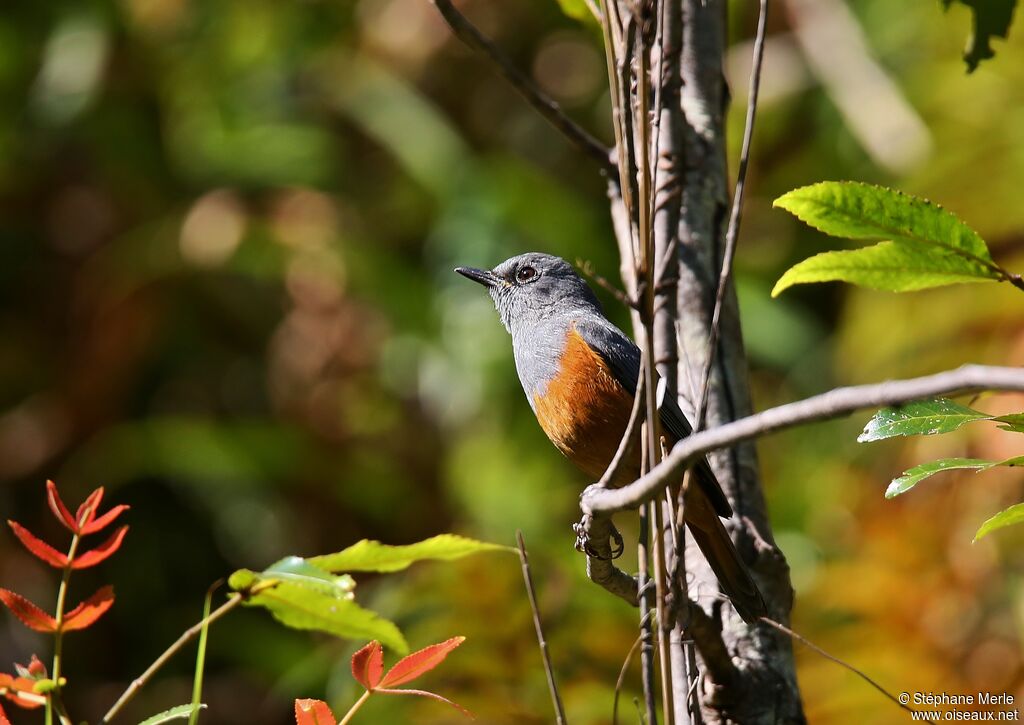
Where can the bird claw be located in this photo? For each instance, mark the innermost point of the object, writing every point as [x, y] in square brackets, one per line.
[584, 545]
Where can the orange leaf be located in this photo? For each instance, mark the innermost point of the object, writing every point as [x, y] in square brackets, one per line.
[87, 511]
[410, 667]
[37, 546]
[368, 665]
[101, 552]
[89, 611]
[3, 717]
[32, 616]
[12, 686]
[58, 507]
[312, 712]
[105, 520]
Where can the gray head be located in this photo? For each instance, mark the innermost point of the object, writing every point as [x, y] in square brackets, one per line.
[532, 286]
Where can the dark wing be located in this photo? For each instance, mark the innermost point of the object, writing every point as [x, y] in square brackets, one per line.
[623, 358]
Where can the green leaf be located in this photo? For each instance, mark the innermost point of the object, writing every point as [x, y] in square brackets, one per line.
[302, 596]
[923, 417]
[887, 266]
[923, 245]
[989, 19]
[369, 555]
[175, 713]
[1007, 517]
[912, 476]
[1014, 422]
[576, 9]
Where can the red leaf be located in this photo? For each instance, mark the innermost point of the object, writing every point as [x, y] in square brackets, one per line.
[3, 717]
[101, 552]
[410, 667]
[433, 695]
[58, 507]
[368, 665]
[104, 521]
[11, 686]
[312, 712]
[89, 611]
[32, 616]
[38, 547]
[36, 669]
[87, 511]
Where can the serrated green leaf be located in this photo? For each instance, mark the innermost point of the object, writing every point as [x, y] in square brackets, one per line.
[989, 19]
[887, 266]
[923, 245]
[856, 210]
[369, 555]
[175, 713]
[922, 417]
[300, 607]
[1006, 517]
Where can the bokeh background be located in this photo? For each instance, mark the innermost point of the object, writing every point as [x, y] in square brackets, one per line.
[227, 229]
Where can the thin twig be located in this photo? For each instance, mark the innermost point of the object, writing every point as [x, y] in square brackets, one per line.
[587, 268]
[472, 37]
[833, 404]
[548, 669]
[622, 678]
[733, 230]
[920, 716]
[187, 636]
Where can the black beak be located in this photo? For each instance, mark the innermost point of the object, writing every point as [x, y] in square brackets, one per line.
[480, 276]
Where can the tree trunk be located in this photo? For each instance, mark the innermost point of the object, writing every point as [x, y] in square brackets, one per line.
[691, 213]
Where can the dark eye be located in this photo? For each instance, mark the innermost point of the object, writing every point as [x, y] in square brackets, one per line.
[525, 274]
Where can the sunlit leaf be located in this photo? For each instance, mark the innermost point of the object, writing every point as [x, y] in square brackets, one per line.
[105, 520]
[31, 616]
[101, 552]
[313, 712]
[1013, 422]
[38, 547]
[369, 555]
[911, 477]
[20, 691]
[304, 572]
[181, 712]
[368, 665]
[60, 511]
[1006, 517]
[89, 611]
[922, 417]
[923, 245]
[315, 603]
[87, 511]
[989, 19]
[887, 266]
[410, 667]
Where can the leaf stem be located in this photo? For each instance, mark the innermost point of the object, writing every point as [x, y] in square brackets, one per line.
[53, 698]
[355, 707]
[187, 636]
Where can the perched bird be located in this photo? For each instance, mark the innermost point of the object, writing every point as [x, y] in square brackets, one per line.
[580, 373]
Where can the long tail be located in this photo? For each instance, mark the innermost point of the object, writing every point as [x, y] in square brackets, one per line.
[713, 539]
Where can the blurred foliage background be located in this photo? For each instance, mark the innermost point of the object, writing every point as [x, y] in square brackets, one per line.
[227, 230]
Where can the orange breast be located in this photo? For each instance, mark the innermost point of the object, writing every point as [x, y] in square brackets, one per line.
[584, 411]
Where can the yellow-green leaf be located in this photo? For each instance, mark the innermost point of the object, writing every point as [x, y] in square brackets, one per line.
[1006, 517]
[369, 555]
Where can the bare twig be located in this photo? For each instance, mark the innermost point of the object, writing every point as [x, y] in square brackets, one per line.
[622, 678]
[860, 673]
[732, 233]
[833, 404]
[472, 37]
[587, 268]
[187, 636]
[548, 669]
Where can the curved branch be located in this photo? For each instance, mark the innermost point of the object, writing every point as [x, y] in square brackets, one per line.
[545, 105]
[833, 404]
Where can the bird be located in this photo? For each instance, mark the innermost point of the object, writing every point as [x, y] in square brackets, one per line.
[580, 372]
